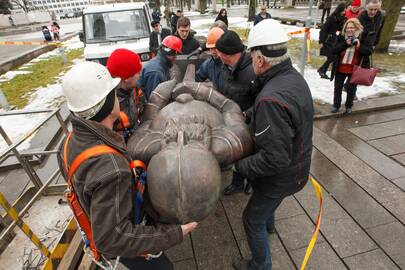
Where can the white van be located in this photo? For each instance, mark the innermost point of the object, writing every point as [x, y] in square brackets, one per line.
[113, 26]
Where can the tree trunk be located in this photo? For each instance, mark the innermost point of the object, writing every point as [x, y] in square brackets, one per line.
[188, 4]
[293, 3]
[214, 6]
[168, 13]
[203, 6]
[228, 3]
[252, 10]
[392, 9]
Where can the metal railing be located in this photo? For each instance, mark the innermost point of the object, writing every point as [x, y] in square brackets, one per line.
[40, 187]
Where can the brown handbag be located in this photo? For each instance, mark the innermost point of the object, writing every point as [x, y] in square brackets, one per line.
[363, 76]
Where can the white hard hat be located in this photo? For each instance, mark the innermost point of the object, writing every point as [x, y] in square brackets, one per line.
[267, 32]
[86, 85]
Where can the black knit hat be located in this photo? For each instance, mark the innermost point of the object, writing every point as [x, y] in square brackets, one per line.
[229, 43]
[107, 107]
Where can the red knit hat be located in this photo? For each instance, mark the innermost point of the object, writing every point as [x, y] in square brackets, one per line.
[356, 3]
[123, 63]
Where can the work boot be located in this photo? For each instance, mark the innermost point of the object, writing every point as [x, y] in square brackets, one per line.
[241, 264]
[232, 189]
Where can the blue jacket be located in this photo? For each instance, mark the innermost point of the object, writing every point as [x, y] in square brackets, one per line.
[210, 69]
[155, 71]
[259, 18]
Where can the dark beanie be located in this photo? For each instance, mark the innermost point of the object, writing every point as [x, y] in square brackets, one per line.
[107, 108]
[229, 43]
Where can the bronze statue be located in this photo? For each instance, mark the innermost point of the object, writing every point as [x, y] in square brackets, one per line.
[188, 132]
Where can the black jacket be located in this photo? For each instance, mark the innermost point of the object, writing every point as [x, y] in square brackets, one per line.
[238, 81]
[222, 18]
[153, 39]
[173, 22]
[190, 44]
[282, 130]
[131, 103]
[365, 51]
[372, 26]
[327, 35]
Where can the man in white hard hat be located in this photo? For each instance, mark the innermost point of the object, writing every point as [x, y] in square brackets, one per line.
[104, 183]
[282, 128]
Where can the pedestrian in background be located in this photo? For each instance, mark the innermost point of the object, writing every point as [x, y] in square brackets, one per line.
[352, 48]
[222, 16]
[46, 33]
[325, 5]
[262, 15]
[156, 36]
[156, 15]
[174, 19]
[190, 44]
[373, 20]
[55, 30]
[327, 37]
[354, 10]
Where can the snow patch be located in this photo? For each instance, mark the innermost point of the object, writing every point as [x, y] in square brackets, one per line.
[11, 74]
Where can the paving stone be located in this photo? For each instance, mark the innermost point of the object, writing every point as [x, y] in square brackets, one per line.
[181, 252]
[372, 260]
[380, 130]
[279, 256]
[390, 145]
[296, 232]
[322, 257]
[400, 182]
[391, 238]
[374, 158]
[380, 188]
[233, 206]
[397, 208]
[400, 158]
[289, 207]
[218, 258]
[340, 230]
[360, 205]
[185, 265]
[207, 238]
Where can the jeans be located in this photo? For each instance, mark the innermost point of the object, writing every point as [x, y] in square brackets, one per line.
[139, 263]
[257, 216]
[350, 90]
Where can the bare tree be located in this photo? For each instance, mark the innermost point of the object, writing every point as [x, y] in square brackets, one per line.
[252, 10]
[203, 6]
[392, 9]
[23, 4]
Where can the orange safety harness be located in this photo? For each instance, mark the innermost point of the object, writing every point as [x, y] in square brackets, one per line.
[81, 217]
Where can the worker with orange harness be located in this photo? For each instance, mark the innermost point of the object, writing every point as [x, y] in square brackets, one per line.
[126, 65]
[103, 181]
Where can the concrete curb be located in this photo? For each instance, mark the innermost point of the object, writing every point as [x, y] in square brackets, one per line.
[388, 103]
[25, 57]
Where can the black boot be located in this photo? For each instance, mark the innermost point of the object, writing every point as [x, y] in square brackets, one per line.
[232, 189]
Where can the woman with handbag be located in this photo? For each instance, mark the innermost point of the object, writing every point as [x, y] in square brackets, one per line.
[327, 37]
[351, 48]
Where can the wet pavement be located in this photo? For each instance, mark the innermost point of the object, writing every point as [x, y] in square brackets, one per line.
[359, 162]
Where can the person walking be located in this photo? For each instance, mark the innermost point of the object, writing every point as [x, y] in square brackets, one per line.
[95, 162]
[262, 15]
[325, 5]
[327, 37]
[282, 126]
[352, 48]
[373, 20]
[55, 28]
[222, 16]
[157, 70]
[46, 33]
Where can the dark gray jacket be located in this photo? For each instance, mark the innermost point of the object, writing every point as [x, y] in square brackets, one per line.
[237, 82]
[105, 188]
[372, 26]
[282, 130]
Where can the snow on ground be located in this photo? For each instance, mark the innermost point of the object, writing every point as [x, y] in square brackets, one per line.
[11, 74]
[48, 97]
[47, 225]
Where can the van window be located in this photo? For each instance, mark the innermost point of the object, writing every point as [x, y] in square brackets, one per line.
[115, 26]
